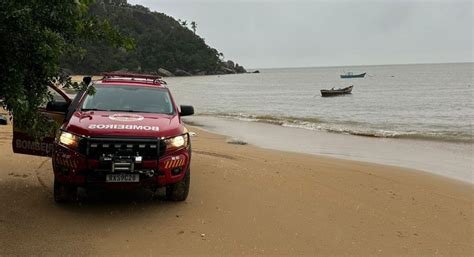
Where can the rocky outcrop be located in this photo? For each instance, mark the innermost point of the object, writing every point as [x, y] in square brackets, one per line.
[182, 73]
[239, 69]
[228, 70]
[229, 67]
[226, 67]
[229, 64]
[165, 73]
[200, 73]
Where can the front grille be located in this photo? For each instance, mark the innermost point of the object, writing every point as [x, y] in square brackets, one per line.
[148, 148]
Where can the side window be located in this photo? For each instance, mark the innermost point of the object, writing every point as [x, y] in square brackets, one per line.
[53, 96]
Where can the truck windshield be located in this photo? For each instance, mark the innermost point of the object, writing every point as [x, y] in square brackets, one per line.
[129, 99]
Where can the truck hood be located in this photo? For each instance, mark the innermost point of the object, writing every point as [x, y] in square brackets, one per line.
[124, 124]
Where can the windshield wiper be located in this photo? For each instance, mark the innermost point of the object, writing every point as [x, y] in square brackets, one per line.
[128, 111]
[91, 109]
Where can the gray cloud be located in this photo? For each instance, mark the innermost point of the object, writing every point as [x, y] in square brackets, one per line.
[329, 33]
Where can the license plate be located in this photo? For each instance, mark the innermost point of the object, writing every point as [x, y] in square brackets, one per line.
[116, 178]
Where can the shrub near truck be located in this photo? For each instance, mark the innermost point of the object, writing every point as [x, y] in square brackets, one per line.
[128, 134]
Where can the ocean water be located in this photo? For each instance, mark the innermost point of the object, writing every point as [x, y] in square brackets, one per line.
[432, 102]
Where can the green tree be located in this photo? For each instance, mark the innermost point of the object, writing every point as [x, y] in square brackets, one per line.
[161, 42]
[34, 34]
[194, 26]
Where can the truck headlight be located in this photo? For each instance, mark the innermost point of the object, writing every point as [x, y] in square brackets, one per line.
[69, 140]
[175, 143]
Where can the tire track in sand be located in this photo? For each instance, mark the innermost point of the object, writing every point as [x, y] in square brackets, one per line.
[40, 180]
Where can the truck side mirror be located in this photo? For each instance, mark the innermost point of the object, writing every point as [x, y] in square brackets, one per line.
[54, 106]
[87, 80]
[186, 110]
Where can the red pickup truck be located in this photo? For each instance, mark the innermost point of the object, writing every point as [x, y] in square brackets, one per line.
[127, 134]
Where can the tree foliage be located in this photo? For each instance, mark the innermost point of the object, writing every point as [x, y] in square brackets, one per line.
[194, 26]
[34, 35]
[161, 42]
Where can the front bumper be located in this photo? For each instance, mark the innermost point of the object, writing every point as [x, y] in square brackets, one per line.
[73, 168]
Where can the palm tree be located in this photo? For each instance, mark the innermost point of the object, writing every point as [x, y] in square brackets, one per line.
[184, 23]
[194, 26]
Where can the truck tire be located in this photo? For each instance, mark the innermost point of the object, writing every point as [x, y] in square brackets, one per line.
[64, 193]
[179, 191]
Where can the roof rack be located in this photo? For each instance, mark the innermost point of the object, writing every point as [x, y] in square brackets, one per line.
[155, 79]
[129, 75]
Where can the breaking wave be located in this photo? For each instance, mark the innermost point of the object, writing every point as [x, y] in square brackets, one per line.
[348, 127]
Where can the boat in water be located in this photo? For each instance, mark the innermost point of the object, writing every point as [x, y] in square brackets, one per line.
[349, 75]
[336, 92]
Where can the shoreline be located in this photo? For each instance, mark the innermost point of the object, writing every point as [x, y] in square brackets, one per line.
[447, 159]
[244, 201]
[312, 124]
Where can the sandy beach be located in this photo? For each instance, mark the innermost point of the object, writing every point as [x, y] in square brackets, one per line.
[244, 201]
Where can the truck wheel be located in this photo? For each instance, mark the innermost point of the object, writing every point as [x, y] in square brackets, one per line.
[64, 193]
[179, 191]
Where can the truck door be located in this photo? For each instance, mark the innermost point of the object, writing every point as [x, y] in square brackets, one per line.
[55, 110]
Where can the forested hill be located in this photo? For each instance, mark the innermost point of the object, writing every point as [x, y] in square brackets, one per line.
[161, 42]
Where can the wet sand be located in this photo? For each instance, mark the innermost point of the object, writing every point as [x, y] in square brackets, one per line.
[453, 160]
[244, 201]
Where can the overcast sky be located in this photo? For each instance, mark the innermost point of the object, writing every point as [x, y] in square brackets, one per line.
[300, 33]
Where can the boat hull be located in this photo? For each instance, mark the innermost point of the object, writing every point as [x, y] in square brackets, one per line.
[348, 76]
[336, 92]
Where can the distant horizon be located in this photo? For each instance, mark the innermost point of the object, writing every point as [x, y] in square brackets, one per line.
[357, 65]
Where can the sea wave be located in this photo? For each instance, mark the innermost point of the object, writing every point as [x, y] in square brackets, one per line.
[278, 120]
[348, 127]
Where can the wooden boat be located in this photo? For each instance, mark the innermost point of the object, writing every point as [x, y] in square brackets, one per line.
[349, 75]
[336, 92]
